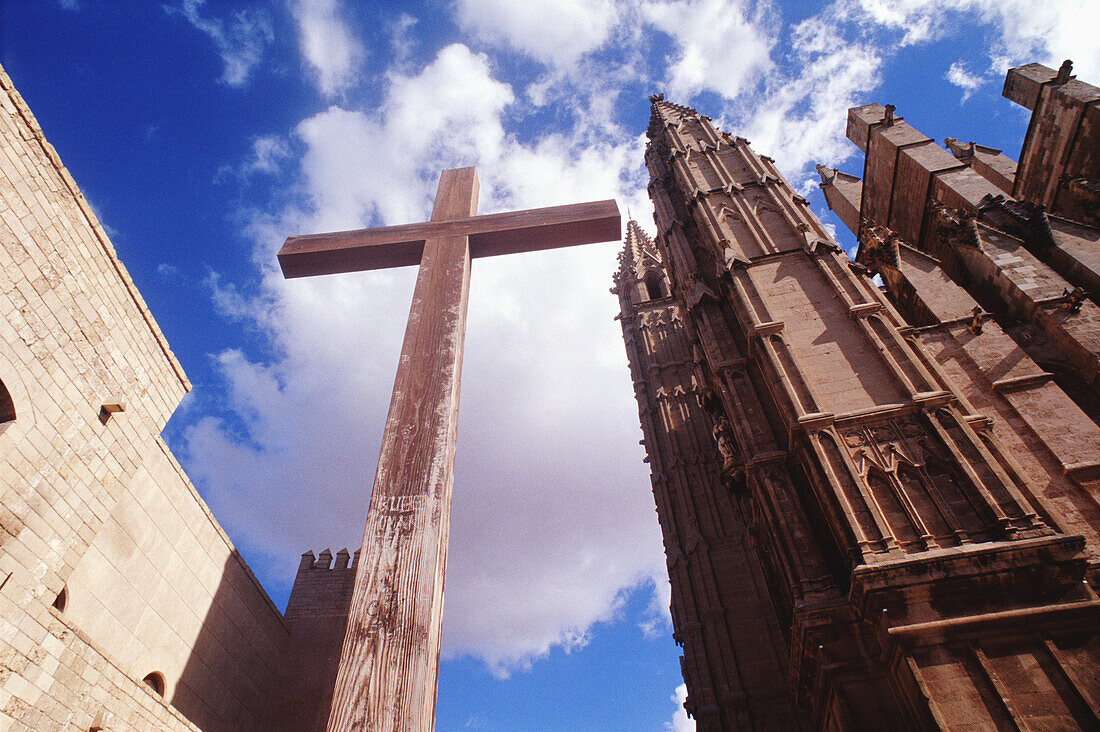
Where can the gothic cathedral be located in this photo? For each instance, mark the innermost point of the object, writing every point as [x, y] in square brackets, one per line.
[877, 480]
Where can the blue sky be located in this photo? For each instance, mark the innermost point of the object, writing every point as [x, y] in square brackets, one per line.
[205, 133]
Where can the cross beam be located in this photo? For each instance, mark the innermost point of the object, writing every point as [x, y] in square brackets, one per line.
[389, 662]
[503, 233]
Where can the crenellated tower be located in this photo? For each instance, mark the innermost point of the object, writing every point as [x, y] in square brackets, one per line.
[317, 618]
[911, 562]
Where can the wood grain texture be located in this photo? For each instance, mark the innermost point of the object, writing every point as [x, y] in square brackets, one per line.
[493, 234]
[390, 659]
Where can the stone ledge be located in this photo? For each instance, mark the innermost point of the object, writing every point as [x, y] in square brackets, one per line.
[902, 580]
[938, 631]
[1020, 383]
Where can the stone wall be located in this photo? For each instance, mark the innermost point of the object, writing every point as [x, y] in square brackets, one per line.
[111, 567]
[162, 590]
[317, 615]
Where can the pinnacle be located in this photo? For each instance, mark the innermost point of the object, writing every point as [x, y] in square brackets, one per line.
[828, 175]
[664, 112]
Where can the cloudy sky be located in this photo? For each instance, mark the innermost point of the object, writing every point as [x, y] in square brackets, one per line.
[204, 133]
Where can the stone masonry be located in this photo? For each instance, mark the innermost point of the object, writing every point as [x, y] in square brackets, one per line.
[123, 605]
[896, 524]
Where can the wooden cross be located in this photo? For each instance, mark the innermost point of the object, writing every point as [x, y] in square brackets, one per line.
[389, 662]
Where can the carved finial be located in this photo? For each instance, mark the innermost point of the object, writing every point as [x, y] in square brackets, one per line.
[654, 98]
[828, 175]
[990, 201]
[1064, 72]
[890, 115]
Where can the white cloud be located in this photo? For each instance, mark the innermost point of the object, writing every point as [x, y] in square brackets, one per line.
[723, 46]
[552, 514]
[266, 156]
[960, 77]
[267, 153]
[402, 39]
[681, 722]
[1022, 30]
[800, 118]
[332, 51]
[240, 42]
[556, 32]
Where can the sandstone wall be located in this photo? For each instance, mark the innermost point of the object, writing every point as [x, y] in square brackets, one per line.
[92, 499]
[162, 590]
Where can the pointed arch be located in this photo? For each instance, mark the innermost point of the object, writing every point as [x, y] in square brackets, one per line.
[891, 508]
[962, 505]
[867, 530]
[915, 489]
[655, 285]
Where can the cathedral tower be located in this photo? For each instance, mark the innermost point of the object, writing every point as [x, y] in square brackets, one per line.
[735, 659]
[899, 566]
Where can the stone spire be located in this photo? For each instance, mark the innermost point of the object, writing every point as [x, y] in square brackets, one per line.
[640, 265]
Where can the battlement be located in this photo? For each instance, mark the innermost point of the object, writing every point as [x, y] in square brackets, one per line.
[322, 588]
[324, 560]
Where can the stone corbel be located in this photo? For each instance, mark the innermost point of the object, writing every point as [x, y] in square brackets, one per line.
[979, 422]
[929, 400]
[816, 421]
[732, 258]
[696, 291]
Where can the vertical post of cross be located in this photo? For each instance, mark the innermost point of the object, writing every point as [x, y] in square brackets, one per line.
[390, 659]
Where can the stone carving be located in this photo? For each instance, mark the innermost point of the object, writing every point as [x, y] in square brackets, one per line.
[977, 317]
[1074, 299]
[723, 437]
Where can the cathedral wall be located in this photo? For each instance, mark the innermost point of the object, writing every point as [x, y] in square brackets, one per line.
[1044, 431]
[1049, 152]
[1077, 254]
[75, 335]
[734, 656]
[54, 677]
[947, 484]
[843, 371]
